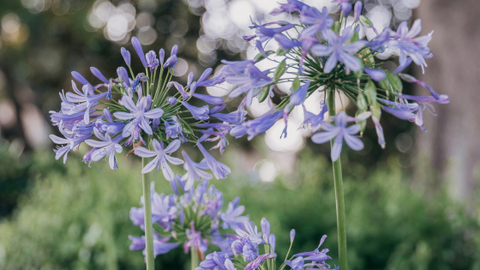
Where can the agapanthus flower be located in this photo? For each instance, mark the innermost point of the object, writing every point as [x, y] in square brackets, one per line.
[332, 59]
[149, 112]
[409, 45]
[250, 80]
[265, 33]
[344, 5]
[340, 132]
[315, 19]
[316, 255]
[106, 147]
[161, 157]
[232, 218]
[338, 51]
[246, 253]
[159, 244]
[190, 218]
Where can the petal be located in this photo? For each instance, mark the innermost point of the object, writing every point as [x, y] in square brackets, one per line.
[337, 147]
[415, 29]
[144, 152]
[155, 113]
[146, 127]
[98, 144]
[350, 61]
[112, 160]
[353, 142]
[172, 147]
[123, 115]
[58, 140]
[129, 104]
[355, 47]
[331, 63]
[353, 129]
[321, 50]
[323, 137]
[157, 146]
[167, 171]
[174, 160]
[150, 166]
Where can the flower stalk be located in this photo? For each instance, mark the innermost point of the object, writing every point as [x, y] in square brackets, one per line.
[148, 218]
[194, 258]
[339, 196]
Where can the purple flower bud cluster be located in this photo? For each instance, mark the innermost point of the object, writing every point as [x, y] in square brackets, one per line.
[146, 112]
[192, 218]
[245, 252]
[327, 56]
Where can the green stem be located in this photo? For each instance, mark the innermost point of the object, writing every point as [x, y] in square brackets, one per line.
[194, 258]
[339, 198]
[148, 218]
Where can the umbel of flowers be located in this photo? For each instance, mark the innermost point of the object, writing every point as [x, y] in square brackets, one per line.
[256, 250]
[192, 218]
[318, 54]
[148, 113]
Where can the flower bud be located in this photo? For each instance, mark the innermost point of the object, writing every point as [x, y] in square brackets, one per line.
[174, 50]
[123, 75]
[79, 78]
[126, 56]
[155, 124]
[190, 79]
[161, 55]
[171, 61]
[265, 227]
[172, 101]
[98, 74]
[271, 242]
[357, 10]
[292, 235]
[375, 74]
[152, 60]
[138, 48]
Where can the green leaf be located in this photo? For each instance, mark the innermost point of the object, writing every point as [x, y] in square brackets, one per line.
[186, 127]
[260, 57]
[384, 84]
[395, 81]
[355, 37]
[365, 21]
[336, 27]
[370, 92]
[363, 123]
[295, 84]
[264, 94]
[281, 52]
[361, 102]
[370, 59]
[280, 70]
[376, 110]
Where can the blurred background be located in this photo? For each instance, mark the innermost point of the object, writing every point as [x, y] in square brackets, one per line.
[410, 206]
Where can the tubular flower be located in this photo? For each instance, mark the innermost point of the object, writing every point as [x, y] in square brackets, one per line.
[330, 58]
[191, 218]
[149, 112]
[245, 252]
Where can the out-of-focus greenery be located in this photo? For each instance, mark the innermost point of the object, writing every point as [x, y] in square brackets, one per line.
[78, 218]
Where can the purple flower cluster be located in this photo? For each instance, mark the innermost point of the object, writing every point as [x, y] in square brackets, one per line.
[328, 57]
[146, 109]
[244, 252]
[192, 218]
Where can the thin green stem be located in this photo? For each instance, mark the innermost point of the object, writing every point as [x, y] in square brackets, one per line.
[194, 258]
[339, 197]
[148, 218]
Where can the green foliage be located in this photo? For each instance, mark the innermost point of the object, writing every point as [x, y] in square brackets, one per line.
[78, 218]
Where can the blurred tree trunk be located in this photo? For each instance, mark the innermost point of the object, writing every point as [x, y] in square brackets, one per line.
[449, 153]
